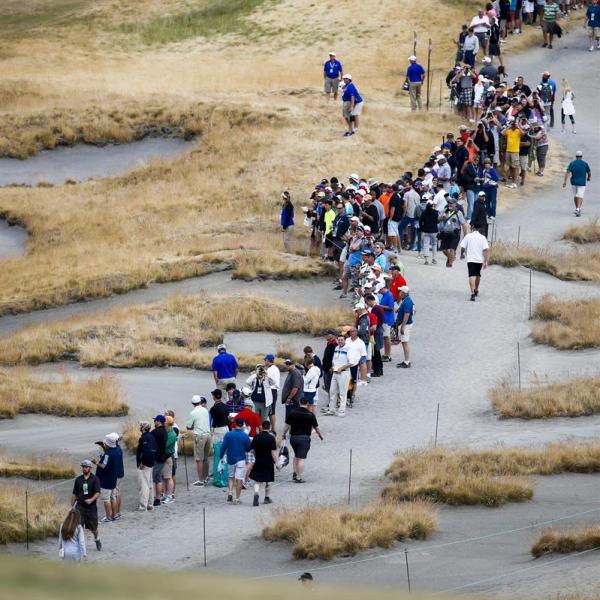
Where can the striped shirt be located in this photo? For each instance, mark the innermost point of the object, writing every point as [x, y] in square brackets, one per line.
[340, 356]
[551, 11]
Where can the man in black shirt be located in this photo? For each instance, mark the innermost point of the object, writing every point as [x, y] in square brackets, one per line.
[327, 361]
[370, 215]
[160, 435]
[521, 87]
[265, 453]
[300, 423]
[395, 214]
[86, 491]
[219, 414]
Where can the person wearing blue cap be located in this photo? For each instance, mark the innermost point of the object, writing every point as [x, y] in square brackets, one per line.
[160, 436]
[274, 378]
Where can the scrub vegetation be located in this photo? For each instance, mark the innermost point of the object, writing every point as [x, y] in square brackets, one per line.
[575, 397]
[589, 233]
[567, 324]
[22, 392]
[171, 332]
[131, 435]
[328, 531]
[560, 540]
[569, 266]
[45, 516]
[49, 467]
[488, 477]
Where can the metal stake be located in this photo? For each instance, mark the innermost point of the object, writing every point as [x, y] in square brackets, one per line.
[407, 569]
[350, 477]
[428, 70]
[437, 420]
[204, 531]
[27, 519]
[518, 236]
[519, 363]
[530, 271]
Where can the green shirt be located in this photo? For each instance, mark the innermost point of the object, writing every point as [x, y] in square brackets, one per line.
[171, 440]
[551, 11]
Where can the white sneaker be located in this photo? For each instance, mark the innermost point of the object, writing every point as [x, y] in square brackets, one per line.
[362, 383]
[591, 49]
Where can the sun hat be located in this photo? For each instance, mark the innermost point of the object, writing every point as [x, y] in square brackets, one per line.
[412, 58]
[110, 442]
[87, 463]
[114, 436]
[579, 153]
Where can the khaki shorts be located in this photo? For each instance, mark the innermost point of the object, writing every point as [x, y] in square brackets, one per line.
[594, 32]
[238, 471]
[107, 495]
[331, 85]
[512, 159]
[405, 337]
[524, 161]
[202, 446]
[346, 110]
[167, 472]
[386, 330]
[357, 110]
[578, 191]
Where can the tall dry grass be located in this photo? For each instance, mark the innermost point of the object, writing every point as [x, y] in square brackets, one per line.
[564, 541]
[489, 477]
[576, 397]
[588, 233]
[567, 324]
[131, 435]
[22, 392]
[579, 265]
[49, 467]
[169, 332]
[328, 531]
[45, 515]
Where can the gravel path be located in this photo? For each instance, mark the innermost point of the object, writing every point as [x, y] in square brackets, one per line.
[460, 350]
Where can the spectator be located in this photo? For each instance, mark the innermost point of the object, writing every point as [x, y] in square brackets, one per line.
[235, 445]
[199, 424]
[224, 367]
[286, 220]
[86, 491]
[580, 173]
[264, 447]
[415, 75]
[406, 311]
[332, 72]
[144, 460]
[475, 247]
[352, 105]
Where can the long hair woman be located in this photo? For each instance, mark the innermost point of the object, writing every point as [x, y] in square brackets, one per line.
[567, 108]
[71, 539]
[286, 219]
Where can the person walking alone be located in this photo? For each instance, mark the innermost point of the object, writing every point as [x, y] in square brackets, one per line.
[476, 249]
[415, 75]
[71, 538]
[286, 220]
[144, 460]
[567, 107]
[332, 71]
[580, 174]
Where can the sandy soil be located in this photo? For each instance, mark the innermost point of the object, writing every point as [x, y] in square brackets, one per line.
[460, 350]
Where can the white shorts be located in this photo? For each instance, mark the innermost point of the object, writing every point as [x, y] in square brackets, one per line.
[238, 470]
[405, 337]
[107, 495]
[386, 330]
[578, 191]
[392, 228]
[357, 110]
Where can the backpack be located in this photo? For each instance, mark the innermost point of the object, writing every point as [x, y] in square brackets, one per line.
[545, 93]
[363, 328]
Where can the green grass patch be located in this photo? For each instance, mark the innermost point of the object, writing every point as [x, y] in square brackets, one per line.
[211, 18]
[23, 21]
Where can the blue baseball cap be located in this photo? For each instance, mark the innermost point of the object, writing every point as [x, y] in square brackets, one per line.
[160, 418]
[270, 357]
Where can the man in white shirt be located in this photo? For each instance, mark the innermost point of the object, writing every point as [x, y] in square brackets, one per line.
[274, 379]
[440, 200]
[481, 27]
[475, 247]
[443, 172]
[340, 379]
[357, 356]
[199, 423]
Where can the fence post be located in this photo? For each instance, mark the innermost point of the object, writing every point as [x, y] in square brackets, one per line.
[518, 236]
[415, 43]
[27, 519]
[350, 477]
[519, 363]
[428, 70]
[407, 569]
[204, 531]
[530, 293]
[437, 420]
[187, 479]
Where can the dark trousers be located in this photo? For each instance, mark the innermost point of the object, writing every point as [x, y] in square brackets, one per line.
[377, 362]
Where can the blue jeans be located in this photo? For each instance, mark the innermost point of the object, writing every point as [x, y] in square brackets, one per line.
[490, 201]
[470, 202]
[470, 58]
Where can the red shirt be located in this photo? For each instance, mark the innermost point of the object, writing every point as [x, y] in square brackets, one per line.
[251, 419]
[397, 282]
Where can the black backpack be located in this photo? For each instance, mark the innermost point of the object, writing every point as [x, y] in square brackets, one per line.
[545, 93]
[363, 327]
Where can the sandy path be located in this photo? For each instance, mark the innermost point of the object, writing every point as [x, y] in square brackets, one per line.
[460, 350]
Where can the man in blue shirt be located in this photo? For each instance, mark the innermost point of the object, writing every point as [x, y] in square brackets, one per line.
[332, 71]
[224, 367]
[352, 105]
[414, 75]
[404, 321]
[593, 24]
[386, 301]
[236, 444]
[107, 471]
[580, 174]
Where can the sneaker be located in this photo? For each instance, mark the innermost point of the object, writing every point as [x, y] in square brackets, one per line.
[117, 516]
[149, 507]
[360, 383]
[347, 133]
[268, 500]
[545, 45]
[343, 295]
[472, 297]
[386, 358]
[341, 415]
[294, 476]
[98, 544]
[141, 508]
[106, 520]
[338, 287]
[476, 292]
[433, 261]
[550, 46]
[255, 502]
[329, 413]
[156, 502]
[591, 49]
[229, 498]
[573, 131]
[426, 262]
[578, 212]
[403, 365]
[237, 501]
[168, 500]
[198, 483]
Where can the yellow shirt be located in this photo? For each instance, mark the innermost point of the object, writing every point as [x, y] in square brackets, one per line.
[329, 217]
[513, 139]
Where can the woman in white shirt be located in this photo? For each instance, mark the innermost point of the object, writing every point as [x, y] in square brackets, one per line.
[311, 382]
[71, 539]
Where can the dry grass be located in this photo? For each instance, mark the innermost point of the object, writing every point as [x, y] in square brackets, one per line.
[564, 541]
[169, 332]
[576, 397]
[22, 392]
[328, 531]
[569, 266]
[584, 234]
[489, 477]
[45, 515]
[567, 324]
[49, 467]
[131, 434]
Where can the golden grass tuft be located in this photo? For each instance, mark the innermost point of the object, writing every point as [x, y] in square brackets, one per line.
[168, 332]
[567, 324]
[569, 266]
[45, 515]
[328, 531]
[589, 233]
[488, 477]
[576, 397]
[564, 541]
[131, 435]
[49, 467]
[22, 392]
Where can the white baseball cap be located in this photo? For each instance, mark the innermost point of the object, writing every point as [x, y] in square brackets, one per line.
[332, 53]
[347, 76]
[412, 58]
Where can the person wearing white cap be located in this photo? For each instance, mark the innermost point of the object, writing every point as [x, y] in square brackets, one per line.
[352, 105]
[85, 494]
[415, 75]
[489, 71]
[332, 72]
[199, 423]
[224, 367]
[404, 322]
[444, 172]
[580, 174]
